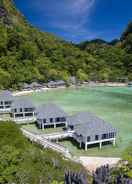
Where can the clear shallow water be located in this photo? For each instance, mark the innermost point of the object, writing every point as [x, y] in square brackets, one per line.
[112, 104]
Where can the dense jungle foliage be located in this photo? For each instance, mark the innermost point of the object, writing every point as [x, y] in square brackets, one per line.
[22, 162]
[27, 55]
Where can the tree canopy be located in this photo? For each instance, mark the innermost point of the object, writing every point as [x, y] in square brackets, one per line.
[27, 54]
[23, 162]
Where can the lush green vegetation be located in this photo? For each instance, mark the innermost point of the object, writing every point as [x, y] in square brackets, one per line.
[23, 162]
[27, 54]
[127, 167]
[124, 168]
[114, 58]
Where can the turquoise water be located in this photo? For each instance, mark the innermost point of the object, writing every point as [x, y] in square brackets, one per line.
[112, 104]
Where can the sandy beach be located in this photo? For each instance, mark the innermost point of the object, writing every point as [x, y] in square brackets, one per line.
[28, 92]
[112, 84]
[91, 163]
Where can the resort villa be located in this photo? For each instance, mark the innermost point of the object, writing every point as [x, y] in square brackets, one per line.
[55, 84]
[86, 128]
[50, 115]
[22, 110]
[89, 130]
[32, 86]
[130, 84]
[6, 100]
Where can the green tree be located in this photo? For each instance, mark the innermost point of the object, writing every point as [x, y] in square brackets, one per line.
[81, 76]
[5, 79]
[9, 164]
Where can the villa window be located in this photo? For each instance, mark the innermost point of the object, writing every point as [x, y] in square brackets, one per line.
[6, 102]
[28, 114]
[15, 110]
[88, 139]
[111, 135]
[96, 137]
[57, 119]
[44, 121]
[7, 106]
[104, 136]
[51, 120]
[18, 115]
[63, 119]
[1, 103]
[20, 109]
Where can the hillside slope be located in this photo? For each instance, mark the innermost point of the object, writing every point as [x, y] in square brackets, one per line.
[27, 55]
[117, 55]
[23, 162]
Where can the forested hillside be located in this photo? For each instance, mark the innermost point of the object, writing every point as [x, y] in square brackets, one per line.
[115, 57]
[27, 55]
[23, 162]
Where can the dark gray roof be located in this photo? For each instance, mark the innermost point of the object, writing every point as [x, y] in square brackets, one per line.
[6, 95]
[79, 118]
[50, 111]
[88, 124]
[32, 85]
[26, 85]
[50, 83]
[35, 84]
[60, 82]
[22, 103]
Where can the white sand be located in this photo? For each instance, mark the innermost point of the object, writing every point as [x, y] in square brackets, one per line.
[112, 84]
[24, 92]
[91, 163]
[28, 92]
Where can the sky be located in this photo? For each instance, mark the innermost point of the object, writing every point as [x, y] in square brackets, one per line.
[78, 20]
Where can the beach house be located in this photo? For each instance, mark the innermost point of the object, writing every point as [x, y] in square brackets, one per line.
[90, 130]
[130, 84]
[6, 100]
[23, 111]
[36, 86]
[51, 84]
[26, 87]
[50, 115]
[56, 84]
[32, 86]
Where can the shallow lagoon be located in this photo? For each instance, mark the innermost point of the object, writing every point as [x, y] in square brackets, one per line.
[112, 104]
